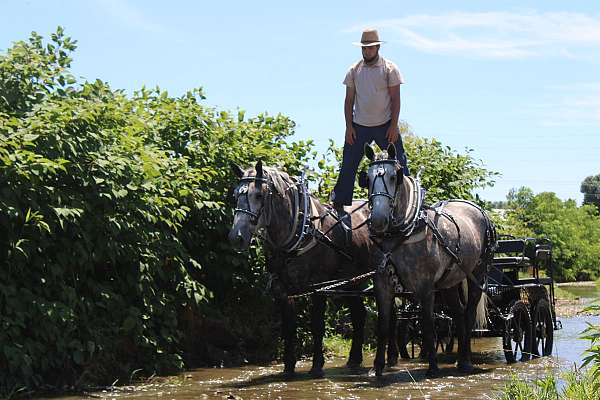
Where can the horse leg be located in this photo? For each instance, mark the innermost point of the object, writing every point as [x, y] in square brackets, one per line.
[427, 303]
[358, 314]
[317, 325]
[456, 305]
[288, 328]
[384, 297]
[470, 316]
[392, 350]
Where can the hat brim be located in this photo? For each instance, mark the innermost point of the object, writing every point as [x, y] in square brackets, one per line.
[361, 44]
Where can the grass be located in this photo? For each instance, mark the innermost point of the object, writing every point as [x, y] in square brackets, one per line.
[336, 345]
[563, 294]
[578, 385]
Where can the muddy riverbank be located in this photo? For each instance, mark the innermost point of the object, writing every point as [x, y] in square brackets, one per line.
[572, 297]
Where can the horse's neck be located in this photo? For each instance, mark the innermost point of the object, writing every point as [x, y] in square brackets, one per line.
[282, 218]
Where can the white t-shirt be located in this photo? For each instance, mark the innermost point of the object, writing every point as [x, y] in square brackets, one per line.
[372, 103]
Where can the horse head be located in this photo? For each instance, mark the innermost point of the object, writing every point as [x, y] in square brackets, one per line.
[384, 181]
[260, 191]
[249, 197]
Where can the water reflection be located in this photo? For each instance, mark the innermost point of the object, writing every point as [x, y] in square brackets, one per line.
[407, 380]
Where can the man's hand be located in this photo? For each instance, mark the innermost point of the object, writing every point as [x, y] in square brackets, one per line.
[392, 133]
[350, 135]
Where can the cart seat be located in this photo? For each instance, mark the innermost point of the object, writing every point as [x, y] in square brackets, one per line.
[519, 261]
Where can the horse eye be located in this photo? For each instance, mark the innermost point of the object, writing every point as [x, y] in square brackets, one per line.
[259, 195]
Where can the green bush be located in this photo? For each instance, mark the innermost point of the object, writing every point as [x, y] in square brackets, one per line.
[574, 231]
[113, 221]
[113, 253]
[446, 173]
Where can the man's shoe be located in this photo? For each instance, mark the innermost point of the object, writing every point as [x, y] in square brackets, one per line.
[344, 225]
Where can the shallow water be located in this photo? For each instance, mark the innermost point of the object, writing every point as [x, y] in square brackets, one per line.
[407, 380]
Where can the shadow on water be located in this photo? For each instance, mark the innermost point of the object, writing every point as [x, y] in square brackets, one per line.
[406, 380]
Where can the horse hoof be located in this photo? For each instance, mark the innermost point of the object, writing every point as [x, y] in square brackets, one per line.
[288, 373]
[317, 373]
[353, 365]
[392, 362]
[432, 373]
[466, 368]
[378, 372]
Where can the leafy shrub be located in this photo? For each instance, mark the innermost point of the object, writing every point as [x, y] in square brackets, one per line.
[113, 218]
[113, 253]
[574, 231]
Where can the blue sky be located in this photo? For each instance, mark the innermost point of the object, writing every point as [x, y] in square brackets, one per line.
[515, 81]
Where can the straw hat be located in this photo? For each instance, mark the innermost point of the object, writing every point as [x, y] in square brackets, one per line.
[369, 37]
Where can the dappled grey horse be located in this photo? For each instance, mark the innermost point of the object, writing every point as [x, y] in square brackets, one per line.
[271, 204]
[423, 250]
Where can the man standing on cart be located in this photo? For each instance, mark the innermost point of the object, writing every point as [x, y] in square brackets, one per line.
[371, 110]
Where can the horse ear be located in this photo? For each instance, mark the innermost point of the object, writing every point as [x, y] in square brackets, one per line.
[369, 152]
[259, 169]
[399, 170]
[237, 170]
[391, 150]
[363, 179]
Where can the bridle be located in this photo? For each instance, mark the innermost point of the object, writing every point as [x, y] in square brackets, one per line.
[381, 175]
[243, 192]
[299, 195]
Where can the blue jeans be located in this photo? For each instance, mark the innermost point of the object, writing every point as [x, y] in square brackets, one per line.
[353, 154]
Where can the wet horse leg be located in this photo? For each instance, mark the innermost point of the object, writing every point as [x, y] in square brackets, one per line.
[470, 316]
[427, 303]
[392, 350]
[456, 306]
[317, 325]
[384, 296]
[358, 314]
[288, 333]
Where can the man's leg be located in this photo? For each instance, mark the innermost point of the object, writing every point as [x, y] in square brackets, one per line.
[380, 135]
[353, 153]
[344, 188]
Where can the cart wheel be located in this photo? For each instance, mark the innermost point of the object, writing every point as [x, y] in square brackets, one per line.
[518, 334]
[543, 329]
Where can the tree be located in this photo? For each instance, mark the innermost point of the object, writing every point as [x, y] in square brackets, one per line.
[574, 231]
[446, 173]
[590, 187]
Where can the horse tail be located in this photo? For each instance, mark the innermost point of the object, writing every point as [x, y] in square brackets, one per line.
[481, 316]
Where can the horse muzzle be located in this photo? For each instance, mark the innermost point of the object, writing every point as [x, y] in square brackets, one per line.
[378, 223]
[238, 241]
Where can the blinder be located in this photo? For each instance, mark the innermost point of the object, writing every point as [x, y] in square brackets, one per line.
[243, 189]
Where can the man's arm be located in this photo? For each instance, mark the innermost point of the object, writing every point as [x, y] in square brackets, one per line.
[393, 133]
[348, 114]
